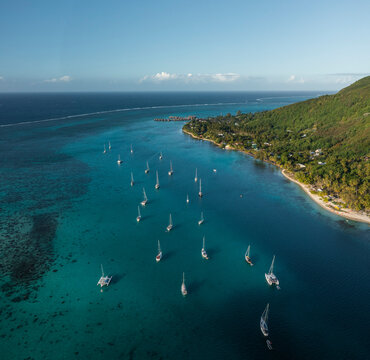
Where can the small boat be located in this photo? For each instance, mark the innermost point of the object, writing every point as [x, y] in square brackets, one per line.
[187, 198]
[160, 156]
[109, 146]
[170, 226]
[270, 276]
[119, 161]
[104, 280]
[171, 170]
[204, 252]
[201, 221]
[138, 218]
[159, 255]
[184, 292]
[263, 321]
[157, 183]
[131, 150]
[214, 170]
[200, 188]
[105, 150]
[147, 168]
[247, 256]
[196, 175]
[145, 201]
[132, 179]
[269, 344]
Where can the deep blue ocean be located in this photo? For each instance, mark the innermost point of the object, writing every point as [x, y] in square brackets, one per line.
[66, 208]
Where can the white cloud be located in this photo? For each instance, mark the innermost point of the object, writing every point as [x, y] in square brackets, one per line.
[295, 79]
[65, 78]
[196, 78]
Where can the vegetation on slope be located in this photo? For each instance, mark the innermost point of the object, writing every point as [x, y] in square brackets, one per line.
[325, 141]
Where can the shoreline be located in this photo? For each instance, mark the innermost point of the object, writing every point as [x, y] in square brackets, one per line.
[345, 213]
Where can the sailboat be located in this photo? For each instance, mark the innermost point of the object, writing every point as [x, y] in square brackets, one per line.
[170, 226]
[263, 321]
[196, 175]
[119, 161]
[159, 256]
[109, 146]
[269, 344]
[138, 218]
[160, 156]
[171, 170]
[247, 256]
[201, 221]
[204, 253]
[200, 188]
[144, 202]
[147, 168]
[184, 292]
[131, 150]
[270, 276]
[104, 280]
[157, 183]
[187, 198]
[105, 150]
[132, 179]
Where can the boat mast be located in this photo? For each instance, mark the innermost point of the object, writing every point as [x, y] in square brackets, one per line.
[157, 179]
[272, 266]
[170, 219]
[265, 314]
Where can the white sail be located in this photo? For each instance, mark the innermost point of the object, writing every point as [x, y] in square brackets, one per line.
[144, 193]
[131, 150]
[204, 242]
[183, 286]
[157, 183]
[196, 175]
[187, 198]
[248, 251]
[138, 212]
[102, 270]
[160, 156]
[109, 146]
[171, 170]
[170, 223]
[132, 179]
[159, 247]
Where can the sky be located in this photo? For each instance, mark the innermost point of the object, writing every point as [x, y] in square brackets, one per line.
[117, 45]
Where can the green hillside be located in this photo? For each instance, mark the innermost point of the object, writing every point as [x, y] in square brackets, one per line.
[337, 126]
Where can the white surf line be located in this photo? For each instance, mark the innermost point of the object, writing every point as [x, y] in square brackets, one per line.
[113, 111]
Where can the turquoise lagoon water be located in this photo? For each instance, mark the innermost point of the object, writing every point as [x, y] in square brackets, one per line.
[66, 208]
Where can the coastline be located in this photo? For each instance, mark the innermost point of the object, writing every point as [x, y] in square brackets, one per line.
[345, 213]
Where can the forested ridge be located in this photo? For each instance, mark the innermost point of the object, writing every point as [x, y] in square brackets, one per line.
[324, 141]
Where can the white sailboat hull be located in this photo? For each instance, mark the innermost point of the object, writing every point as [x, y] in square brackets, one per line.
[271, 279]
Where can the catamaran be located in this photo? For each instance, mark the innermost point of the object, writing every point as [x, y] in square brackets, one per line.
[131, 149]
[201, 221]
[159, 256]
[119, 161]
[170, 226]
[157, 183]
[187, 198]
[104, 280]
[196, 175]
[171, 170]
[132, 179]
[138, 218]
[144, 202]
[200, 188]
[105, 150]
[204, 253]
[160, 156]
[109, 146]
[263, 321]
[247, 256]
[184, 292]
[270, 276]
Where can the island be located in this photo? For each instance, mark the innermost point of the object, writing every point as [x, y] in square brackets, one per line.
[322, 144]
